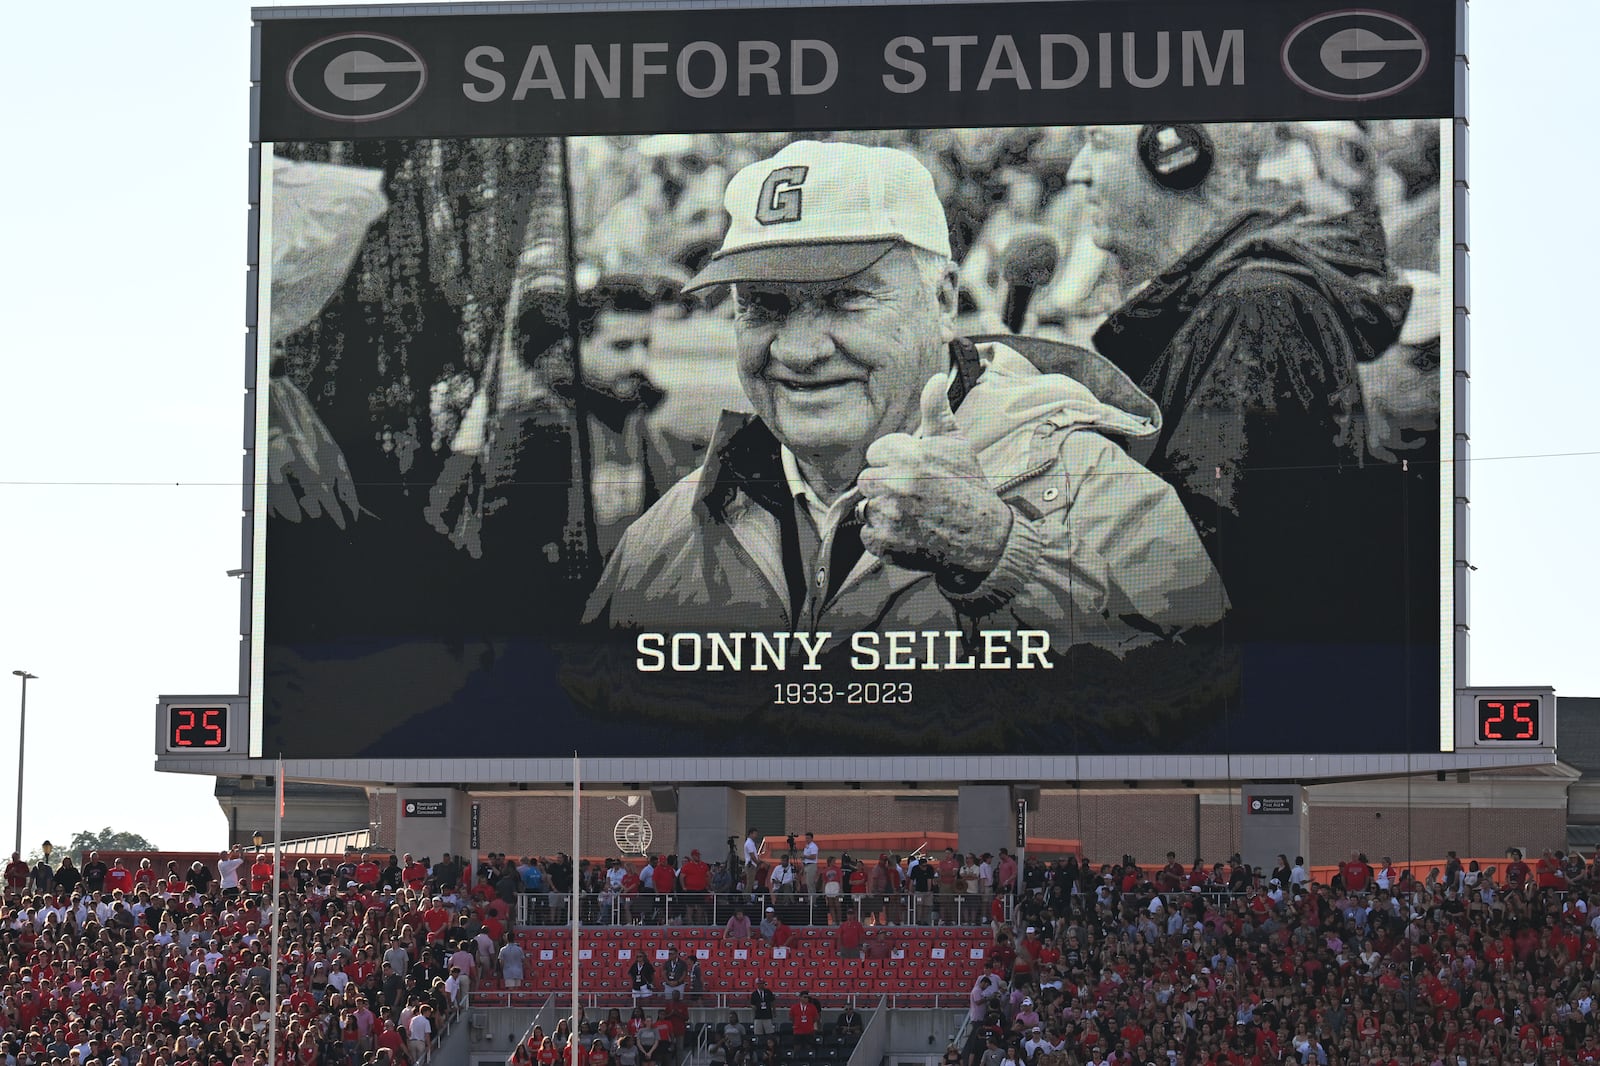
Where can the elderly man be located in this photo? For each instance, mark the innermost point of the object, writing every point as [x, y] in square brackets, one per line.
[893, 476]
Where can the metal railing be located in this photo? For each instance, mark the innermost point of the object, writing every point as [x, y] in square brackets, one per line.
[603, 999]
[794, 909]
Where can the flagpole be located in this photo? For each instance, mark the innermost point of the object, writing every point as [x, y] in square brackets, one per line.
[572, 918]
[277, 911]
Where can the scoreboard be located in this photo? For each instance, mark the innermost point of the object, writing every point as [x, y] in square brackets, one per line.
[202, 725]
[1506, 717]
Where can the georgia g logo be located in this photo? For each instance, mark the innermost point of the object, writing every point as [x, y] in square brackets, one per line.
[780, 197]
[1354, 55]
[357, 77]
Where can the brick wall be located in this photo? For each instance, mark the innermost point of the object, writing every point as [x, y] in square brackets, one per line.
[1144, 823]
[1431, 831]
[870, 812]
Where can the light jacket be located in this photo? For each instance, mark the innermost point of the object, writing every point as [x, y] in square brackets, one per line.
[1100, 550]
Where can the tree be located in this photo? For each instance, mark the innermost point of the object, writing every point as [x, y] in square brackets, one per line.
[107, 839]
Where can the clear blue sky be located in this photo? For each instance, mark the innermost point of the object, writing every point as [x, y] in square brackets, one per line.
[121, 345]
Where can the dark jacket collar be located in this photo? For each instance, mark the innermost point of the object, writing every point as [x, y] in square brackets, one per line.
[1343, 257]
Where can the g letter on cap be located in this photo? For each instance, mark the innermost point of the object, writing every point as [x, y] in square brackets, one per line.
[780, 196]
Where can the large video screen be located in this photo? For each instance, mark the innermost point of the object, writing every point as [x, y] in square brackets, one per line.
[971, 380]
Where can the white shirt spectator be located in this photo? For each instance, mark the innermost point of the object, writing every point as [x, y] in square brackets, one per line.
[398, 959]
[985, 988]
[511, 959]
[228, 872]
[421, 1032]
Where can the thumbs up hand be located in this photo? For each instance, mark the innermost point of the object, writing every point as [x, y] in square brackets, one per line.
[925, 502]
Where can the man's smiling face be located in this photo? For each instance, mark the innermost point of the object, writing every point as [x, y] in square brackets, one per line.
[832, 366]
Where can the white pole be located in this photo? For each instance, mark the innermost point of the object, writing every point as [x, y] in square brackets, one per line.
[277, 917]
[574, 1047]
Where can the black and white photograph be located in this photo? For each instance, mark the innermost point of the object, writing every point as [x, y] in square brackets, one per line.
[1086, 437]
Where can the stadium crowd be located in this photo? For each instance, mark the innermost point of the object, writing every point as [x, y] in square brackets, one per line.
[1220, 963]
[118, 965]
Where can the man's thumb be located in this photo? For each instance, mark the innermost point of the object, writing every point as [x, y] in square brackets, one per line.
[937, 418]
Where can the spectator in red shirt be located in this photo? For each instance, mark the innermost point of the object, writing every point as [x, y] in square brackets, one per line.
[858, 880]
[1005, 874]
[393, 1041]
[665, 878]
[781, 933]
[414, 874]
[261, 872]
[367, 872]
[694, 884]
[1518, 872]
[1355, 873]
[1172, 874]
[436, 916]
[16, 875]
[804, 1016]
[1550, 873]
[119, 877]
[852, 934]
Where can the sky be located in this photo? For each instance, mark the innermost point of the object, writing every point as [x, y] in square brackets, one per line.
[121, 373]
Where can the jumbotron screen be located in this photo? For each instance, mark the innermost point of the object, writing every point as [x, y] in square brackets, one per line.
[955, 379]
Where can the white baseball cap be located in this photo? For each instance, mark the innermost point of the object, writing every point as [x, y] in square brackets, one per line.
[845, 205]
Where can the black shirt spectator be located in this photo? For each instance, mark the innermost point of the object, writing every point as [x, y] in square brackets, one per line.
[394, 988]
[67, 877]
[199, 877]
[642, 973]
[94, 873]
[558, 874]
[446, 872]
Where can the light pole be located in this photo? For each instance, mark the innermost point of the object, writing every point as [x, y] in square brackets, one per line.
[22, 741]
